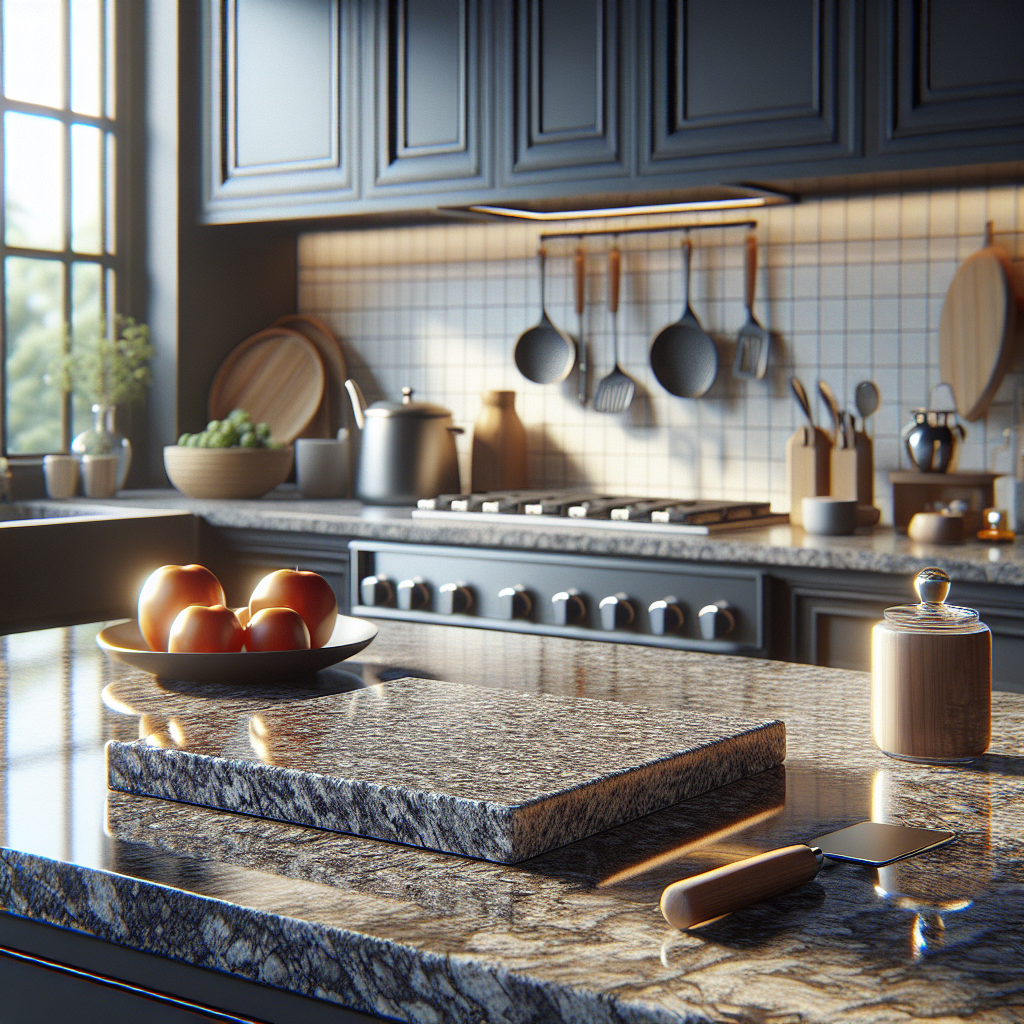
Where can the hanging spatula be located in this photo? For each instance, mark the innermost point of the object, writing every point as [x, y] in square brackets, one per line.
[753, 341]
[720, 891]
[615, 391]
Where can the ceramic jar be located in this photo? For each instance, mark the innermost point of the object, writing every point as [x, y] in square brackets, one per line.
[499, 444]
[931, 678]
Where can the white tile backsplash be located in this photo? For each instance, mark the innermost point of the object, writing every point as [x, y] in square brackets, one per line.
[852, 289]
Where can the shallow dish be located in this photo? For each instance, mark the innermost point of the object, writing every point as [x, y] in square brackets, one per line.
[123, 642]
[226, 472]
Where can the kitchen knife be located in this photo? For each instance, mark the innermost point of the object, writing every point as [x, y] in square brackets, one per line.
[712, 894]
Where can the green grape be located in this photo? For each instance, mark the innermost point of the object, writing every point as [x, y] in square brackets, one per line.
[212, 427]
[184, 439]
[263, 431]
[249, 440]
[239, 416]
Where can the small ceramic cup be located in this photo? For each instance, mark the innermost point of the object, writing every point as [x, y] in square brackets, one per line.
[321, 466]
[61, 475]
[829, 517]
[99, 476]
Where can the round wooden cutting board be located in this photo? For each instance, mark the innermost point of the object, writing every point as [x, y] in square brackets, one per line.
[978, 329]
[331, 413]
[276, 376]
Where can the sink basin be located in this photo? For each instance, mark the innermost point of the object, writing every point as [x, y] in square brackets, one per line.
[82, 563]
[11, 514]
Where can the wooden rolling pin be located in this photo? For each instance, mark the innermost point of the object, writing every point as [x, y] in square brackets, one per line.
[709, 895]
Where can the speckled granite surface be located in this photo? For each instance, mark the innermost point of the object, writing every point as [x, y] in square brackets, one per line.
[878, 550]
[574, 934]
[462, 769]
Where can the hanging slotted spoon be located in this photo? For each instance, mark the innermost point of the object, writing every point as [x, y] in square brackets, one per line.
[615, 391]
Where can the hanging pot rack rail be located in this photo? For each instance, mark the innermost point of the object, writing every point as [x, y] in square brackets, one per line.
[649, 231]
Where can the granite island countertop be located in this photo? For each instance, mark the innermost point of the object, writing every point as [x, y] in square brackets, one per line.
[879, 550]
[572, 935]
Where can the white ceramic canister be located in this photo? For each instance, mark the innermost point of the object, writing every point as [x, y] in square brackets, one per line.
[931, 678]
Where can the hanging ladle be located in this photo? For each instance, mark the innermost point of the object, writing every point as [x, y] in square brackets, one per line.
[544, 354]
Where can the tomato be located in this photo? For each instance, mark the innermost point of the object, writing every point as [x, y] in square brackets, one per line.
[308, 593]
[202, 629]
[169, 589]
[242, 614]
[276, 629]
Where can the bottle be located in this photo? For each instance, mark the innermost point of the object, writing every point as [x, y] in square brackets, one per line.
[499, 444]
[931, 678]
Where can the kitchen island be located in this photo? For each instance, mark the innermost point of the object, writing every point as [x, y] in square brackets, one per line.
[571, 935]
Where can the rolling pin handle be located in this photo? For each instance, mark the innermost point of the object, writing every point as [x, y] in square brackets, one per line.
[720, 891]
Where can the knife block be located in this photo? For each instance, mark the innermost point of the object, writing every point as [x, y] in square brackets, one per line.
[807, 468]
[853, 470]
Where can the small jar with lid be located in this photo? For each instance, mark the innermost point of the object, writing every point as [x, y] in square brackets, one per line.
[931, 678]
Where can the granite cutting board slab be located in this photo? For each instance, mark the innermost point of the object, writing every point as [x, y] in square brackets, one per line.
[464, 769]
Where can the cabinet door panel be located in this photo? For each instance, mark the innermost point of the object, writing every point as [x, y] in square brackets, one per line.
[954, 73]
[280, 91]
[563, 89]
[749, 82]
[432, 85]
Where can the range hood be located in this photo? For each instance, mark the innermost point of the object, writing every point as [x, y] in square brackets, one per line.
[691, 200]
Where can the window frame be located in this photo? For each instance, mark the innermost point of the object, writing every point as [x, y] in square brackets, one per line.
[115, 78]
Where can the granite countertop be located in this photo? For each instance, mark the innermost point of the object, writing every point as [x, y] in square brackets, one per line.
[571, 935]
[870, 550]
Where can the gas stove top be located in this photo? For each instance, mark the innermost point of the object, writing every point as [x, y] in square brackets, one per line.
[583, 508]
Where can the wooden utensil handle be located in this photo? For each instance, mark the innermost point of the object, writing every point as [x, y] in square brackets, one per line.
[709, 895]
[751, 270]
[581, 280]
[614, 260]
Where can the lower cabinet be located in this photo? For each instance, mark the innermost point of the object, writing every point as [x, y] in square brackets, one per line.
[830, 617]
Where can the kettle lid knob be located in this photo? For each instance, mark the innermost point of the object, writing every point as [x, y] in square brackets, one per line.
[406, 396]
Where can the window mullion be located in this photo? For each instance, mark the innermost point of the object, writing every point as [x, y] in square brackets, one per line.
[65, 412]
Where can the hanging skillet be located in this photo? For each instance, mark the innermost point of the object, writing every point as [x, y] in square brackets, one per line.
[544, 354]
[683, 357]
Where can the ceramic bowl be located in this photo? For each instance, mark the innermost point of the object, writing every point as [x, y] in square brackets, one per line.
[226, 472]
[829, 517]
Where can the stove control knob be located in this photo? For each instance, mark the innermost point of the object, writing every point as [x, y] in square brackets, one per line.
[617, 612]
[377, 591]
[454, 599]
[413, 595]
[514, 603]
[665, 616]
[569, 607]
[716, 621]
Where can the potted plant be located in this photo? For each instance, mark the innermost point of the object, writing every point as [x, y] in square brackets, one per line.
[111, 370]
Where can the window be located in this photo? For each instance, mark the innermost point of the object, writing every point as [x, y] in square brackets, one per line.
[57, 225]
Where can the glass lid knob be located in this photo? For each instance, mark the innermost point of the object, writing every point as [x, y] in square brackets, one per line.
[932, 585]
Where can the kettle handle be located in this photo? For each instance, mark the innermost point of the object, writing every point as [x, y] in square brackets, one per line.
[355, 394]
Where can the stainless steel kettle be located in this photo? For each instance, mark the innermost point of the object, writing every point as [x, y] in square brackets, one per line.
[406, 450]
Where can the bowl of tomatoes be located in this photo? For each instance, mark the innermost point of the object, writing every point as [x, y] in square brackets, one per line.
[289, 630]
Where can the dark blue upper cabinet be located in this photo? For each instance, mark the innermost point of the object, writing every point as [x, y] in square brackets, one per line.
[952, 74]
[280, 104]
[743, 83]
[317, 108]
[565, 104]
[430, 111]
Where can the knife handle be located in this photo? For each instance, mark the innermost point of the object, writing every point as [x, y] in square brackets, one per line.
[613, 280]
[580, 261]
[734, 886]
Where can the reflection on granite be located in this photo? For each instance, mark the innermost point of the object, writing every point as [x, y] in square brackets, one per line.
[878, 550]
[463, 769]
[574, 934]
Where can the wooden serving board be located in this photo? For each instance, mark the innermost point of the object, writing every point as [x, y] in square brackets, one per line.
[276, 376]
[978, 329]
[331, 414]
[463, 769]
